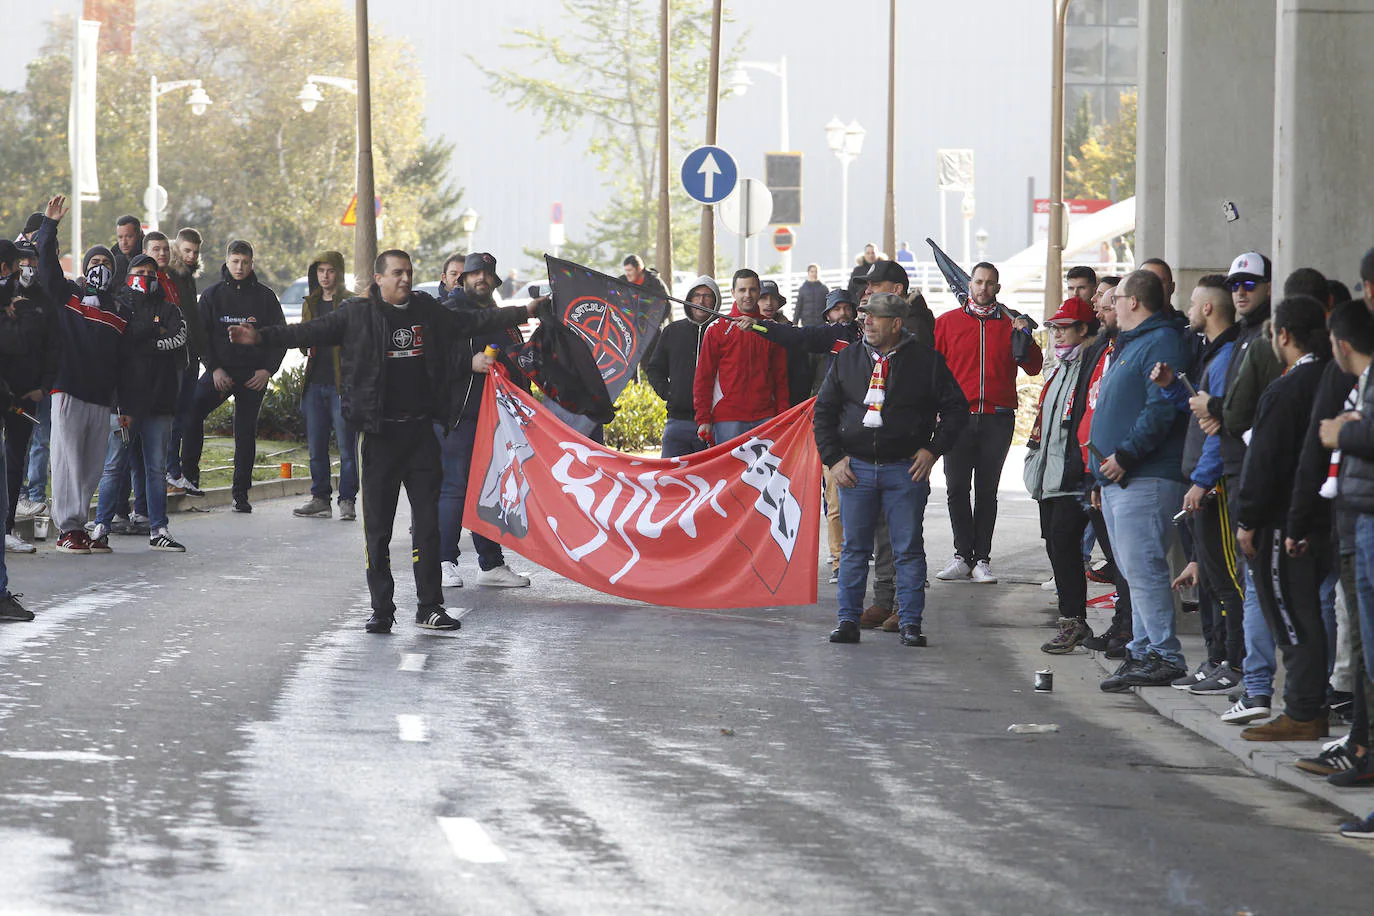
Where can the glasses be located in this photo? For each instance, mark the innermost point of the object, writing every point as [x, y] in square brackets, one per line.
[1246, 285]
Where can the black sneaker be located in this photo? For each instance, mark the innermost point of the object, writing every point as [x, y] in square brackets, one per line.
[191, 488]
[241, 504]
[911, 635]
[1341, 705]
[11, 609]
[436, 618]
[1203, 672]
[1104, 640]
[1117, 683]
[380, 622]
[1156, 673]
[1223, 679]
[847, 631]
[1360, 775]
[1334, 759]
[161, 540]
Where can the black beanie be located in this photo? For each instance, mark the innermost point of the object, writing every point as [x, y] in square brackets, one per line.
[92, 252]
[32, 223]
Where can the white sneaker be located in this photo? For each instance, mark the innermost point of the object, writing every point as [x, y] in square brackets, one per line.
[25, 508]
[957, 569]
[1049, 585]
[502, 577]
[983, 573]
[450, 574]
[15, 544]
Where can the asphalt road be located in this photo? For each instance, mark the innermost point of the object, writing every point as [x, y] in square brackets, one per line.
[214, 733]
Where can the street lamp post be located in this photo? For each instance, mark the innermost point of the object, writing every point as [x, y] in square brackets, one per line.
[739, 85]
[154, 199]
[467, 225]
[1054, 250]
[846, 142]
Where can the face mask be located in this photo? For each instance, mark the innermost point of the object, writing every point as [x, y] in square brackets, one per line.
[27, 274]
[141, 284]
[98, 278]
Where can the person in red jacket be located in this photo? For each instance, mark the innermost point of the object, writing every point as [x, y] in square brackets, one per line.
[741, 378]
[980, 344]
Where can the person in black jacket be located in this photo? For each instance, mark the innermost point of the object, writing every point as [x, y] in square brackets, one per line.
[799, 372]
[150, 381]
[404, 369]
[27, 315]
[232, 369]
[887, 410]
[474, 296]
[672, 367]
[810, 312]
[1288, 577]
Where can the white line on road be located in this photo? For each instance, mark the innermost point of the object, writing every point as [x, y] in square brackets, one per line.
[469, 841]
[412, 728]
[413, 661]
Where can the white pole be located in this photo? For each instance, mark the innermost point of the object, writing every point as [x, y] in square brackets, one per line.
[968, 248]
[844, 213]
[786, 284]
[743, 223]
[75, 140]
[152, 154]
[944, 222]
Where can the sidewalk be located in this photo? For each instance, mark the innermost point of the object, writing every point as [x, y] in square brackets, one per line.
[1020, 562]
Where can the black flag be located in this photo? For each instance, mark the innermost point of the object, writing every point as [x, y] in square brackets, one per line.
[954, 274]
[617, 319]
[558, 361]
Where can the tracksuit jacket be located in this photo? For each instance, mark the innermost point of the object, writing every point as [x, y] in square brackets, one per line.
[740, 376]
[979, 353]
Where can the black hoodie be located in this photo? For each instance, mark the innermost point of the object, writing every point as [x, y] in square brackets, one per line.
[154, 354]
[231, 302]
[35, 322]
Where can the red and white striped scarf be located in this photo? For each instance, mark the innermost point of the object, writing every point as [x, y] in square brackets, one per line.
[877, 392]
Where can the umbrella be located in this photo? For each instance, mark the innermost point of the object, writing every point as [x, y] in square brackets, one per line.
[958, 282]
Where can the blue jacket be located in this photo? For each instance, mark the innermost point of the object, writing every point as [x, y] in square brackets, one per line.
[1134, 419]
[1207, 465]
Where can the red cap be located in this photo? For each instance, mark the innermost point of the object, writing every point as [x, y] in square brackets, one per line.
[1072, 311]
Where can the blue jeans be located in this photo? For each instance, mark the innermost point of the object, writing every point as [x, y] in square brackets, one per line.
[147, 435]
[37, 473]
[1140, 525]
[1260, 659]
[730, 429]
[1329, 614]
[455, 451]
[887, 489]
[1364, 584]
[181, 420]
[131, 480]
[680, 438]
[323, 411]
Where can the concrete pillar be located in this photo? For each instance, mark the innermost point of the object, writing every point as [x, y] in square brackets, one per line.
[1324, 137]
[1151, 129]
[1220, 135]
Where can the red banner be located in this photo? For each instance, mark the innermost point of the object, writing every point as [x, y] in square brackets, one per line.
[735, 526]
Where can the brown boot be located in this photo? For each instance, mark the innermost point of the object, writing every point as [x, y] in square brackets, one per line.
[890, 625]
[1286, 729]
[873, 617]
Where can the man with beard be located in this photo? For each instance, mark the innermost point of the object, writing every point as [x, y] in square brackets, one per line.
[183, 267]
[672, 368]
[236, 370]
[405, 369]
[741, 381]
[479, 282]
[91, 330]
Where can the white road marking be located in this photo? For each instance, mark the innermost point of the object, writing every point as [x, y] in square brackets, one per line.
[64, 756]
[458, 613]
[469, 841]
[412, 728]
[413, 661]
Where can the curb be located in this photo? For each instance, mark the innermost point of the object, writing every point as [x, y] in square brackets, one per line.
[1275, 760]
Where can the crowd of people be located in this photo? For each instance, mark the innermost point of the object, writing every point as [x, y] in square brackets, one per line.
[106, 381]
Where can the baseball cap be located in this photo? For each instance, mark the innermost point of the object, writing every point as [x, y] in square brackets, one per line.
[1073, 311]
[888, 272]
[885, 305]
[1250, 266]
[770, 288]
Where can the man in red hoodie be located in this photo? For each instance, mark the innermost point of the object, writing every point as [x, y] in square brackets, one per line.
[741, 378]
[983, 346]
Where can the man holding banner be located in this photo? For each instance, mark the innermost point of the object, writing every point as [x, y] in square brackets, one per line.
[741, 379]
[887, 409]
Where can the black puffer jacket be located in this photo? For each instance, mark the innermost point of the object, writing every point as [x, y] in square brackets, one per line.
[1357, 459]
[231, 302]
[154, 355]
[672, 366]
[811, 303]
[923, 407]
[359, 328]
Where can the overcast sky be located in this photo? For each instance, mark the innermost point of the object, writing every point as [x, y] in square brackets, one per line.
[970, 73]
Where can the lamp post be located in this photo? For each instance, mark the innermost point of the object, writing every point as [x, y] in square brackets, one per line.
[155, 198]
[739, 85]
[981, 239]
[846, 142]
[363, 242]
[467, 225]
[706, 247]
[1054, 250]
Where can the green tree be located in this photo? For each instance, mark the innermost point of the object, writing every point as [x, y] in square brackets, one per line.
[1108, 153]
[1079, 129]
[255, 166]
[599, 71]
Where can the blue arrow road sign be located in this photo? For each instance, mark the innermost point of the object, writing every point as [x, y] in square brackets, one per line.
[709, 174]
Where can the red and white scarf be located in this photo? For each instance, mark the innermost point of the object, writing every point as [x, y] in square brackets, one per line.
[1331, 486]
[877, 392]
